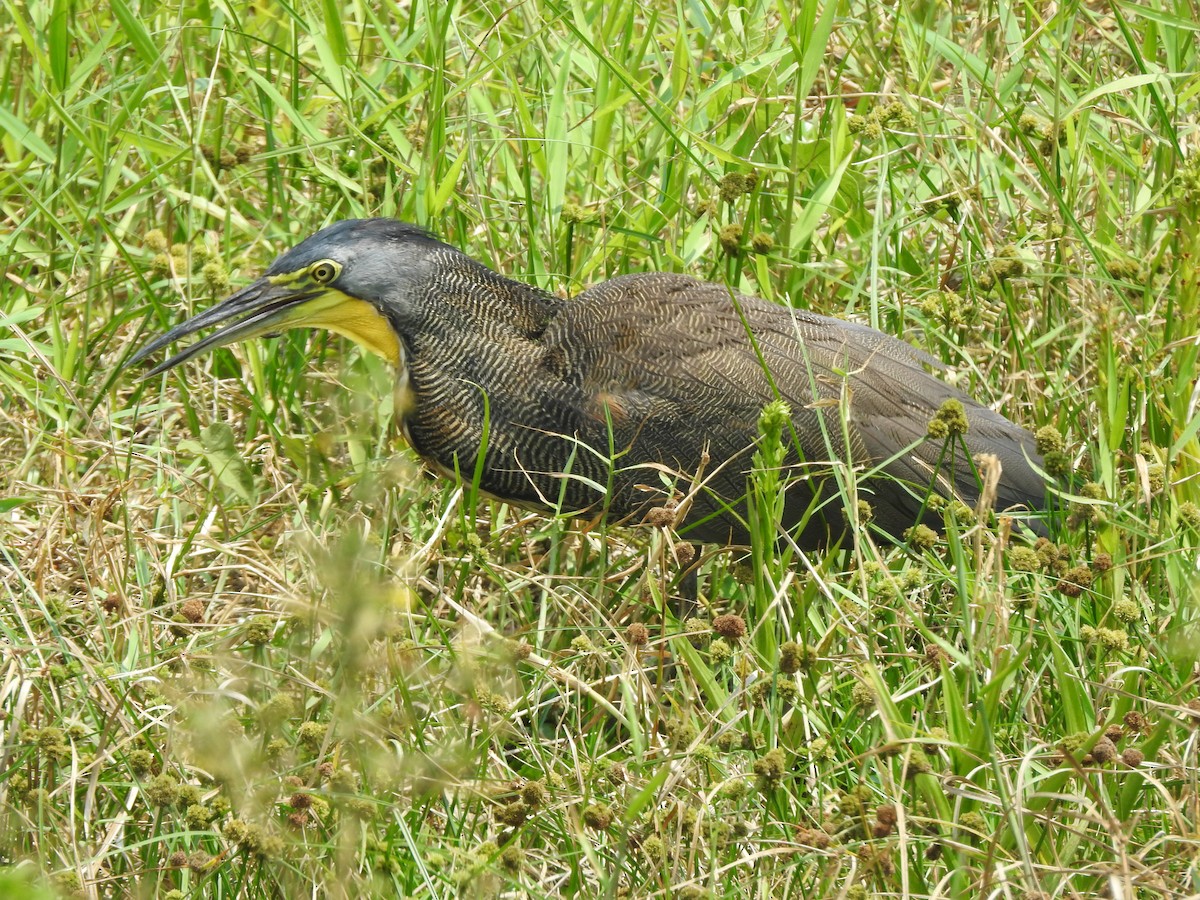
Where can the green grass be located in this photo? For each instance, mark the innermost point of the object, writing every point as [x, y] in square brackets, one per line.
[273, 658]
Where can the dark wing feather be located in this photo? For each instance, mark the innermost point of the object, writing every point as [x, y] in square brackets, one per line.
[668, 361]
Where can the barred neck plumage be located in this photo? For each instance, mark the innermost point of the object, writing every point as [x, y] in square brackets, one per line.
[472, 338]
[461, 298]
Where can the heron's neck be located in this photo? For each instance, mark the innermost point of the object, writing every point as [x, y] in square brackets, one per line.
[468, 331]
[467, 302]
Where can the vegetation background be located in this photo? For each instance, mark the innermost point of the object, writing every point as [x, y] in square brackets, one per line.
[248, 649]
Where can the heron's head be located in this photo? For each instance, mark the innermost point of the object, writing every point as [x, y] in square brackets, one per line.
[345, 278]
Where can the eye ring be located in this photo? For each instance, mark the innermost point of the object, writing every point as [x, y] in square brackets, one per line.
[324, 271]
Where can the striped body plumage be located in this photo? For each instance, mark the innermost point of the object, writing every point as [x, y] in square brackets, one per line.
[591, 404]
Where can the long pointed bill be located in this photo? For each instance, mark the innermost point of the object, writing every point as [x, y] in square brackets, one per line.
[265, 307]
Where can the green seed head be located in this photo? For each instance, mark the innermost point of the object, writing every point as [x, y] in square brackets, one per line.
[156, 240]
[720, 652]
[762, 243]
[862, 695]
[921, 537]
[1189, 515]
[260, 630]
[654, 849]
[598, 816]
[1048, 440]
[733, 186]
[730, 237]
[950, 420]
[216, 277]
[163, 790]
[1023, 559]
[312, 734]
[512, 814]
[770, 768]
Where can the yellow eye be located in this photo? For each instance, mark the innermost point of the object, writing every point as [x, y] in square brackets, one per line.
[324, 271]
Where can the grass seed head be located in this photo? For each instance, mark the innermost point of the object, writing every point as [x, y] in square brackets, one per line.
[141, 762]
[921, 537]
[1057, 464]
[730, 237]
[1103, 751]
[1136, 722]
[312, 734]
[862, 695]
[260, 630]
[198, 816]
[1075, 581]
[534, 794]
[192, 610]
[720, 652]
[1048, 440]
[512, 858]
[698, 631]
[791, 657]
[653, 849]
[1188, 514]
[730, 627]
[598, 816]
[163, 790]
[1127, 611]
[769, 769]
[155, 239]
[733, 186]
[813, 837]
[512, 814]
[1133, 757]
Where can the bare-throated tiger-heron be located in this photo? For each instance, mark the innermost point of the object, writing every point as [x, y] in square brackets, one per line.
[590, 404]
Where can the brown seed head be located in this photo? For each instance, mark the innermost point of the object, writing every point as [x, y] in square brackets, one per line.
[660, 517]
[730, 627]
[193, 610]
[300, 801]
[685, 553]
[813, 837]
[1104, 751]
[1075, 581]
[1136, 722]
[637, 634]
[935, 655]
[791, 657]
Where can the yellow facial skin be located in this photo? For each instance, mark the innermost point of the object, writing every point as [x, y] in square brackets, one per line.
[355, 319]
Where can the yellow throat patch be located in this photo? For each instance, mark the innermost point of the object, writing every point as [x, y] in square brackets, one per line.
[349, 317]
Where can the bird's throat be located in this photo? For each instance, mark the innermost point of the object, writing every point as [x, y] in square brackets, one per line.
[355, 319]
